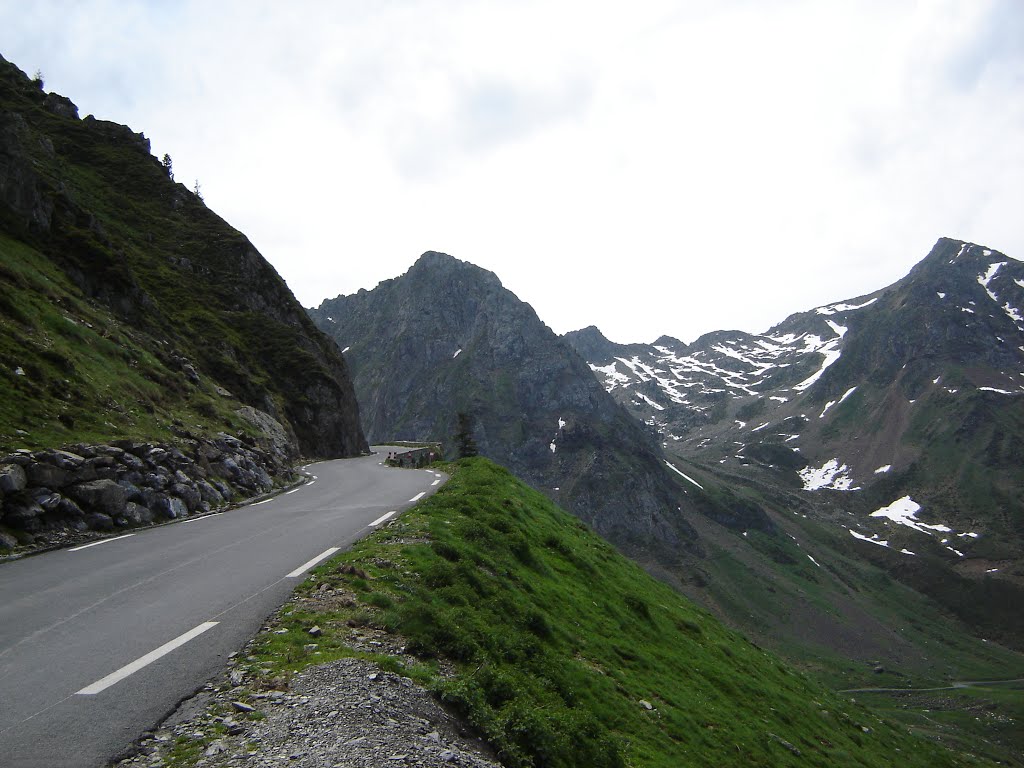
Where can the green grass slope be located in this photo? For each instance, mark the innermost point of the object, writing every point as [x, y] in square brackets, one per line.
[561, 652]
[840, 610]
[70, 371]
[130, 309]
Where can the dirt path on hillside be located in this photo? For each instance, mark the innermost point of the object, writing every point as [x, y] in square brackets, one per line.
[956, 685]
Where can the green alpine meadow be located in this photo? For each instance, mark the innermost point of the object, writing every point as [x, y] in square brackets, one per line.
[562, 652]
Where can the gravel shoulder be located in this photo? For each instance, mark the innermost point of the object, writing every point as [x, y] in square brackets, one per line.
[346, 713]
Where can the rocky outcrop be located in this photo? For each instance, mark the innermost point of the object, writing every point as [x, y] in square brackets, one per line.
[447, 338]
[58, 496]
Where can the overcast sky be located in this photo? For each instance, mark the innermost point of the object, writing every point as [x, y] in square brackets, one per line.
[650, 168]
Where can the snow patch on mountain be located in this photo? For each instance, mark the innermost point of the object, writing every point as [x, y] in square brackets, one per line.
[650, 402]
[831, 355]
[904, 511]
[830, 403]
[831, 310]
[872, 539]
[985, 279]
[685, 476]
[612, 377]
[840, 330]
[830, 475]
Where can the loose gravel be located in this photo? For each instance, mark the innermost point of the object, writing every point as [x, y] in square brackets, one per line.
[343, 714]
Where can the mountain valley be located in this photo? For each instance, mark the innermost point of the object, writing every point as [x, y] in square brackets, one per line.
[894, 419]
[848, 488]
[842, 492]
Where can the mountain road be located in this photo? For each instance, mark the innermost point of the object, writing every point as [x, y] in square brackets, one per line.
[99, 642]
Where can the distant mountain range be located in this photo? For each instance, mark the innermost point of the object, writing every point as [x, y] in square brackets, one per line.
[861, 431]
[896, 417]
[846, 488]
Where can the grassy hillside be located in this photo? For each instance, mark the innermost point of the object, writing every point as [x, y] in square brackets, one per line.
[563, 653]
[130, 309]
[70, 371]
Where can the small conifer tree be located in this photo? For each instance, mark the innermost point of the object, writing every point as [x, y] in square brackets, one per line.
[168, 166]
[464, 442]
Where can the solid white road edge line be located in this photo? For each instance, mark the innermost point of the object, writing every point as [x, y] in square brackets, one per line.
[204, 517]
[382, 518]
[143, 661]
[306, 566]
[97, 543]
[418, 496]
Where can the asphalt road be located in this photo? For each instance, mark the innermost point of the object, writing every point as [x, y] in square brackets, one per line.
[98, 644]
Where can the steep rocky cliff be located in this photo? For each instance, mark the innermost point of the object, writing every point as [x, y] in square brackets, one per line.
[129, 309]
[447, 338]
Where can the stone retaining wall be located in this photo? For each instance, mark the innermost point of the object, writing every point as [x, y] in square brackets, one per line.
[51, 497]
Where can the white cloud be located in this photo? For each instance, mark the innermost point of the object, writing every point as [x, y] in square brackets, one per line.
[650, 170]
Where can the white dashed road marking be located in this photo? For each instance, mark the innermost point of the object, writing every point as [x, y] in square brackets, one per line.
[306, 566]
[143, 661]
[382, 518]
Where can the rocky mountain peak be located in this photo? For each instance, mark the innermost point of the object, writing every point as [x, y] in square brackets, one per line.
[949, 258]
[670, 342]
[438, 264]
[447, 338]
[591, 343]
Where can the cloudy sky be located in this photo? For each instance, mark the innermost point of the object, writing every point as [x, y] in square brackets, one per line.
[650, 168]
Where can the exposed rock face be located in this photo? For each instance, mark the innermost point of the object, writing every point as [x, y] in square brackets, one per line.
[922, 380]
[57, 496]
[912, 396]
[279, 441]
[446, 338]
[87, 197]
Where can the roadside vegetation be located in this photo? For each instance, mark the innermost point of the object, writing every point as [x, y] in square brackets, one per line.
[561, 652]
[71, 372]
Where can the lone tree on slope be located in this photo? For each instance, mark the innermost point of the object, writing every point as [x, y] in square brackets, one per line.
[464, 441]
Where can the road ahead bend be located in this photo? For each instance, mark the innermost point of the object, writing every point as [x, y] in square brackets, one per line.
[99, 643]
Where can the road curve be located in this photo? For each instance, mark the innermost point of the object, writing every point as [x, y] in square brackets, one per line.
[99, 643]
